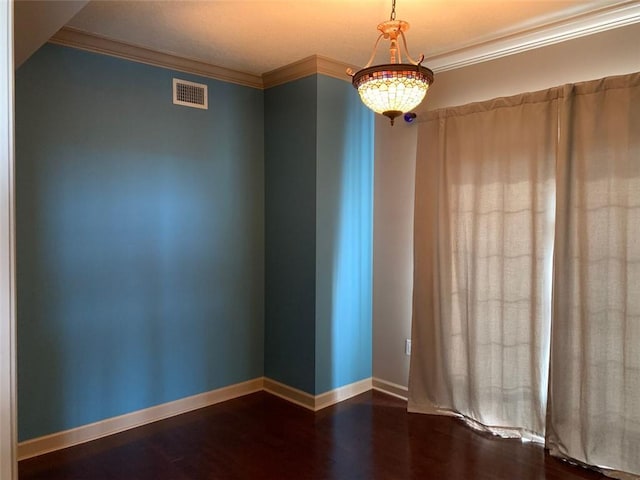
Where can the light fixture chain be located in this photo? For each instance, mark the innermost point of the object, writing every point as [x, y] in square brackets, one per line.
[393, 10]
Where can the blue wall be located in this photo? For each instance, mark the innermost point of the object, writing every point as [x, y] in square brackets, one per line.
[290, 187]
[319, 231]
[344, 276]
[140, 239]
[165, 251]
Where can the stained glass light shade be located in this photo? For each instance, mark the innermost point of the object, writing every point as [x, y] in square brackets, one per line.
[393, 89]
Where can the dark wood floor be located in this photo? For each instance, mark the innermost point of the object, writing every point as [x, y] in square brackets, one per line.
[260, 436]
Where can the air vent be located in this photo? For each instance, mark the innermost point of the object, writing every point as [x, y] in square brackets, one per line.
[190, 94]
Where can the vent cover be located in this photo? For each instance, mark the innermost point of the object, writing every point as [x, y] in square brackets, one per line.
[190, 94]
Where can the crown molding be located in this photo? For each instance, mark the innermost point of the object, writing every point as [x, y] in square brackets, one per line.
[607, 18]
[314, 64]
[333, 68]
[306, 67]
[71, 37]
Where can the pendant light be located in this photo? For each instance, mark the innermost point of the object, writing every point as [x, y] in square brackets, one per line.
[394, 88]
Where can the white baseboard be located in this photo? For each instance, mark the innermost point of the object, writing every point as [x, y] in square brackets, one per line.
[103, 428]
[316, 402]
[93, 431]
[290, 394]
[390, 388]
[342, 393]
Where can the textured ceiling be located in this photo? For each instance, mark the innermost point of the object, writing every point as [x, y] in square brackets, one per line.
[258, 36]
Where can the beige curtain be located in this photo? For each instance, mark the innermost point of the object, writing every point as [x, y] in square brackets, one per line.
[594, 410]
[485, 343]
[482, 263]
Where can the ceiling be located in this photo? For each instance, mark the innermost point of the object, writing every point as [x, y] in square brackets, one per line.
[257, 36]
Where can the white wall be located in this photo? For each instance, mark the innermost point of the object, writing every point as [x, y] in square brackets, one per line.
[604, 54]
[8, 466]
[392, 248]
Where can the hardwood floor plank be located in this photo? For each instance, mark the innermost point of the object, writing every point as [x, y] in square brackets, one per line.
[261, 436]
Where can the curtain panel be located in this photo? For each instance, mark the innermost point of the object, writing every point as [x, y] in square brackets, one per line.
[493, 239]
[594, 409]
[482, 270]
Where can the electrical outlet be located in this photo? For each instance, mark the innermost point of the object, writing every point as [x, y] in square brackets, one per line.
[407, 346]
